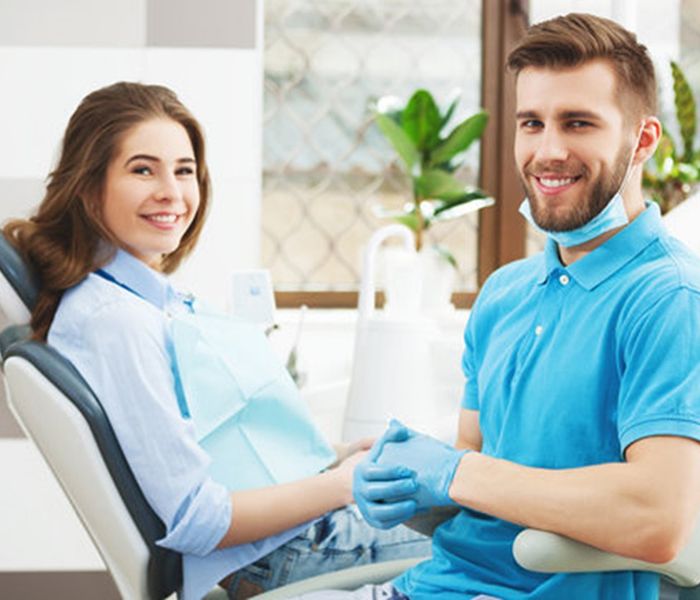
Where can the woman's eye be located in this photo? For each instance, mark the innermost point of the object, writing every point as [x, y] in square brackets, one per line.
[142, 170]
[185, 171]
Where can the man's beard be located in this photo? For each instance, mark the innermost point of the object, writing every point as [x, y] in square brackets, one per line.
[591, 205]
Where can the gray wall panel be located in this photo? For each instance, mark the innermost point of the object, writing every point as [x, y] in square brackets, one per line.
[58, 586]
[96, 23]
[203, 24]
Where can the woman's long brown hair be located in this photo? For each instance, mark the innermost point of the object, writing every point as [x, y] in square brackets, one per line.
[64, 240]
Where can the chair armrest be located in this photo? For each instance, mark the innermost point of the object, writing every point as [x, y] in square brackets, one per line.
[547, 552]
[427, 522]
[347, 579]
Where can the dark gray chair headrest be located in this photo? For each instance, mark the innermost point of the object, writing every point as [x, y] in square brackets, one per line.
[18, 274]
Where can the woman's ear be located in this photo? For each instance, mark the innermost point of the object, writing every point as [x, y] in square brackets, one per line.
[650, 134]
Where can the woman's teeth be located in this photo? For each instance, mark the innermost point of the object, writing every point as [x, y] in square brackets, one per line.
[162, 218]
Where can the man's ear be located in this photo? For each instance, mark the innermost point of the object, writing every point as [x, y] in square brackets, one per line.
[649, 137]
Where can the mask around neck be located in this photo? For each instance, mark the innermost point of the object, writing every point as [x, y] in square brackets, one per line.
[611, 217]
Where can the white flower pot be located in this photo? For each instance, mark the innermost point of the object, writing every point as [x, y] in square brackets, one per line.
[417, 283]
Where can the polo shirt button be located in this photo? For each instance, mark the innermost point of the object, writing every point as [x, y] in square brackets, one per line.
[564, 279]
[539, 329]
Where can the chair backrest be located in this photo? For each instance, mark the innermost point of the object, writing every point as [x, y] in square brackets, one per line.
[18, 286]
[61, 414]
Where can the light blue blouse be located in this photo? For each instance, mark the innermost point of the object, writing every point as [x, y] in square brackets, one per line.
[117, 336]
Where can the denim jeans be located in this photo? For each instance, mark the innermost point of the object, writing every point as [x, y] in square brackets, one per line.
[339, 540]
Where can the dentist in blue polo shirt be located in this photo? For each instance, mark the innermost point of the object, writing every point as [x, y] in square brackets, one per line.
[581, 409]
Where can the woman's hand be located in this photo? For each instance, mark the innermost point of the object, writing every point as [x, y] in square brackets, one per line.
[346, 449]
[344, 472]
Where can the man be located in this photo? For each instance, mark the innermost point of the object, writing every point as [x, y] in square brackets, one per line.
[581, 411]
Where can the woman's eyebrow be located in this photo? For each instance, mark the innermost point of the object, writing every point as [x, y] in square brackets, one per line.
[186, 159]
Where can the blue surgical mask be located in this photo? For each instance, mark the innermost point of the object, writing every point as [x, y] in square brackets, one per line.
[611, 217]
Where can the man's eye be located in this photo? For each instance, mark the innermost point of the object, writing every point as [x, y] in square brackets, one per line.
[579, 124]
[531, 124]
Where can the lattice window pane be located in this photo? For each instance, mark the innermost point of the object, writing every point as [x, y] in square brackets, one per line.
[325, 165]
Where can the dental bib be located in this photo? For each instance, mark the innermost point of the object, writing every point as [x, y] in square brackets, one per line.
[246, 410]
[611, 217]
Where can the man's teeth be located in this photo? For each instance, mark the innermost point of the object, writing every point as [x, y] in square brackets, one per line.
[553, 183]
[162, 218]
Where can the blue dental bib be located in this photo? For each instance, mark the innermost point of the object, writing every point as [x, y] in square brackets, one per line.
[245, 408]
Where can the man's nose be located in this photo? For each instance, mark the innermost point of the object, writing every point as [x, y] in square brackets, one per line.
[551, 146]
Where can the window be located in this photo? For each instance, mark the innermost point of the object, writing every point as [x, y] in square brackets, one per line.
[325, 166]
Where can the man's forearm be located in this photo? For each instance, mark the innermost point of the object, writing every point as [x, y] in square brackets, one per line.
[643, 509]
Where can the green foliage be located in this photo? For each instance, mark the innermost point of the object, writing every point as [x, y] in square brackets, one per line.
[675, 172]
[431, 155]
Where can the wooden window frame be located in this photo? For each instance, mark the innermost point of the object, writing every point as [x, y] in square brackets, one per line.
[502, 231]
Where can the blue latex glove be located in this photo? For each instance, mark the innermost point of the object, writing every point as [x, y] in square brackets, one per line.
[433, 462]
[383, 493]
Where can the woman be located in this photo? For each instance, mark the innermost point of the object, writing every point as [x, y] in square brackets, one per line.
[124, 206]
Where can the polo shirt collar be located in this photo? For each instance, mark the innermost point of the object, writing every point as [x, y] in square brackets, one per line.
[610, 257]
[135, 275]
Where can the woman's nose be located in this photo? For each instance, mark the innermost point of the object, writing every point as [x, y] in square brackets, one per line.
[168, 189]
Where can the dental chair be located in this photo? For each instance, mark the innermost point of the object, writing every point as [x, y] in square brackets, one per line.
[60, 413]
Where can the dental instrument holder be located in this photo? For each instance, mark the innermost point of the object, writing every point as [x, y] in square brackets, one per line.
[406, 362]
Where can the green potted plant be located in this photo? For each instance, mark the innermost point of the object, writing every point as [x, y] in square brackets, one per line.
[430, 155]
[674, 172]
[431, 152]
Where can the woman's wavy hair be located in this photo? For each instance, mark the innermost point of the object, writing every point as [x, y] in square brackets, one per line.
[64, 240]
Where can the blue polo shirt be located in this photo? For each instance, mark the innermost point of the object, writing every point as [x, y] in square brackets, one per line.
[567, 367]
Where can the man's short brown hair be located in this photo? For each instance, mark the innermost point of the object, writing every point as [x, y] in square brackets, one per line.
[571, 40]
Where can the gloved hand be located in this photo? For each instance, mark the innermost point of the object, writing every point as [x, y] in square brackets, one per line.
[383, 493]
[433, 462]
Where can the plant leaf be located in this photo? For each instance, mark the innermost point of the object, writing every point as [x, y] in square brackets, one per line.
[685, 110]
[446, 209]
[390, 106]
[436, 183]
[688, 172]
[398, 138]
[421, 120]
[460, 139]
[664, 151]
[409, 220]
[450, 110]
[445, 254]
